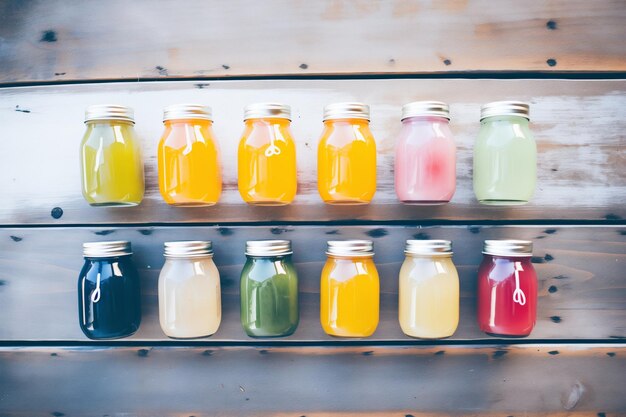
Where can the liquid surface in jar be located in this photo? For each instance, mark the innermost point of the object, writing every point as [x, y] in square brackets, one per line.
[189, 167]
[267, 162]
[347, 162]
[189, 298]
[428, 297]
[112, 168]
[349, 297]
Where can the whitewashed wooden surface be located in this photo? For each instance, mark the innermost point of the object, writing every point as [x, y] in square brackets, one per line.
[49, 40]
[578, 125]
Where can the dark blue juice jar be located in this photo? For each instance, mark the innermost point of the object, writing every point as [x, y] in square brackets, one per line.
[108, 291]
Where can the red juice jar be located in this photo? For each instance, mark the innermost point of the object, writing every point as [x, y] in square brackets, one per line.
[507, 289]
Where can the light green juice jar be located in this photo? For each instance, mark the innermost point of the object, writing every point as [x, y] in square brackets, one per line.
[505, 155]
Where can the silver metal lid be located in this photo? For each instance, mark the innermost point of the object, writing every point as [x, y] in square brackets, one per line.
[428, 247]
[426, 108]
[109, 112]
[188, 249]
[347, 111]
[106, 249]
[508, 247]
[265, 110]
[350, 248]
[505, 108]
[268, 247]
[187, 111]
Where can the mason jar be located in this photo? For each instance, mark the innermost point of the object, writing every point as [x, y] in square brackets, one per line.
[269, 289]
[349, 289]
[507, 288]
[505, 155]
[189, 290]
[109, 299]
[428, 291]
[110, 156]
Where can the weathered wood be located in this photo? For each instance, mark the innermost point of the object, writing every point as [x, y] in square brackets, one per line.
[46, 40]
[579, 128]
[397, 381]
[582, 287]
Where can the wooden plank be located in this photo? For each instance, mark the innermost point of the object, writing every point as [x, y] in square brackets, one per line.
[45, 40]
[582, 286]
[579, 128]
[393, 381]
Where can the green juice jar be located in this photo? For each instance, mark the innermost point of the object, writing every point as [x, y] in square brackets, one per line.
[505, 155]
[269, 289]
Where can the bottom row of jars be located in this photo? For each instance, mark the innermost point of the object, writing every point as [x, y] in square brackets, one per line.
[190, 296]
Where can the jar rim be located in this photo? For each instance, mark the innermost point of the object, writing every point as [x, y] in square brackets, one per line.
[107, 249]
[350, 248]
[268, 248]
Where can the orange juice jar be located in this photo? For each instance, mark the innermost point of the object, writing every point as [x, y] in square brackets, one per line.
[346, 155]
[349, 289]
[188, 157]
[267, 156]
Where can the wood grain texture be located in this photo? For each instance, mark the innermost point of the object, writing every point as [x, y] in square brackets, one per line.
[391, 381]
[49, 40]
[578, 125]
[582, 286]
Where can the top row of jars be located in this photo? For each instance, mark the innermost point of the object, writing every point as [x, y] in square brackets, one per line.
[425, 162]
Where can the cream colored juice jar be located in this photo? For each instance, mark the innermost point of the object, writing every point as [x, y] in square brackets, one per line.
[428, 290]
[189, 290]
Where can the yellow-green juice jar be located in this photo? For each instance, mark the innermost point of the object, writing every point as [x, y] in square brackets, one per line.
[110, 154]
[505, 155]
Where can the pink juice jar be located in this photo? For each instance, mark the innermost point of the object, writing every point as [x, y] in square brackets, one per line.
[425, 167]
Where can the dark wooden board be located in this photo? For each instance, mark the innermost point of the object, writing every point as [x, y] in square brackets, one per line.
[582, 288]
[295, 381]
[45, 40]
[578, 125]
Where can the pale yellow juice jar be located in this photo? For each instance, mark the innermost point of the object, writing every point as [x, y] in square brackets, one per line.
[428, 290]
[110, 155]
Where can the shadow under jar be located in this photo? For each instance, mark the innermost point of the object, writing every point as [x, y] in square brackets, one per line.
[507, 289]
[110, 153]
[505, 155]
[269, 289]
[349, 289]
[109, 299]
[189, 290]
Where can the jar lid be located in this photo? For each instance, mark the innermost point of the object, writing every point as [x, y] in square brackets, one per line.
[350, 248]
[347, 111]
[265, 110]
[428, 247]
[268, 247]
[187, 111]
[426, 108]
[106, 249]
[188, 249]
[505, 108]
[109, 112]
[508, 247]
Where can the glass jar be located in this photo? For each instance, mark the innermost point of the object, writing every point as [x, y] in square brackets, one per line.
[349, 289]
[109, 305]
[507, 289]
[267, 156]
[111, 165]
[269, 289]
[189, 290]
[346, 155]
[428, 290]
[425, 165]
[188, 157]
[505, 155]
